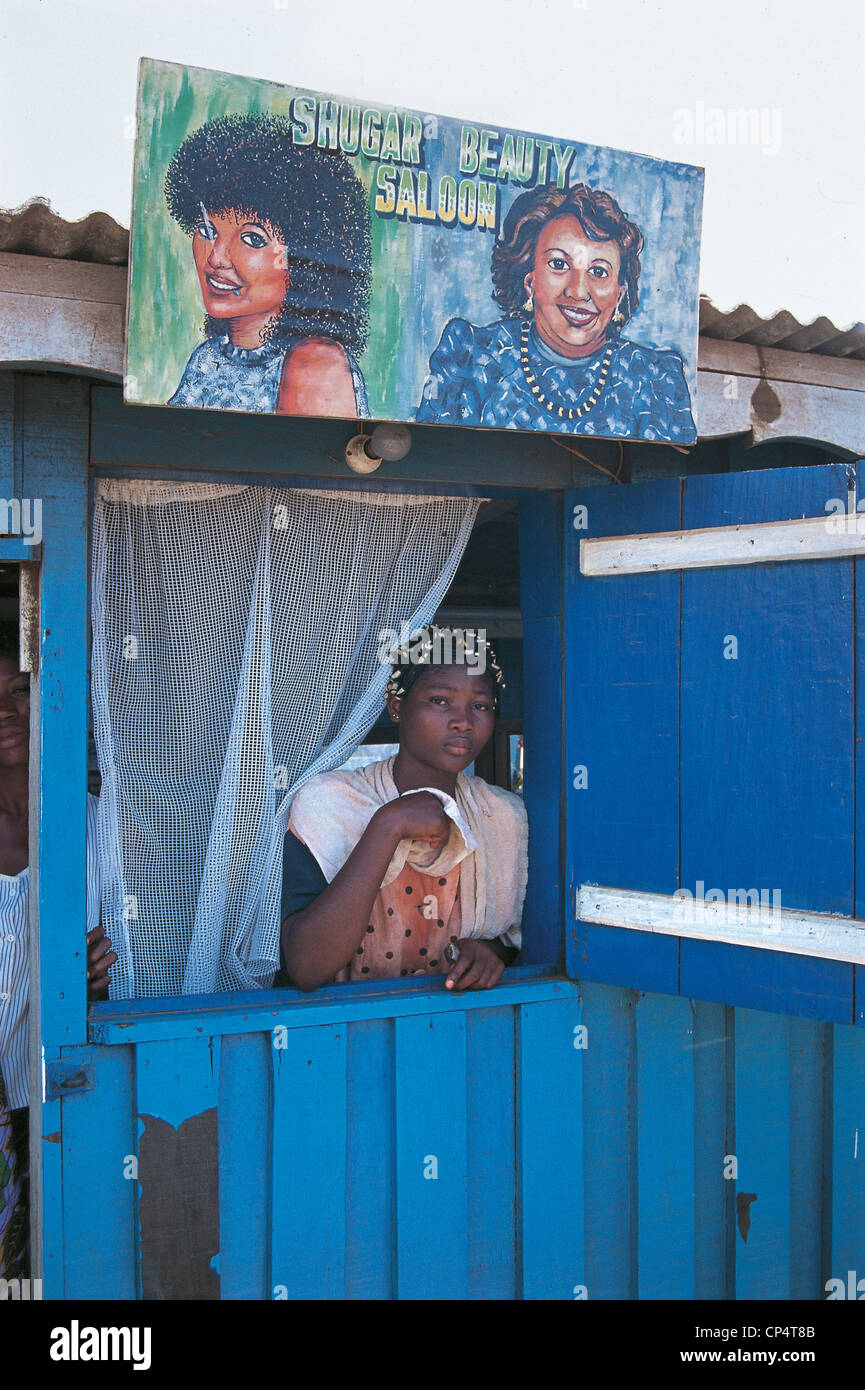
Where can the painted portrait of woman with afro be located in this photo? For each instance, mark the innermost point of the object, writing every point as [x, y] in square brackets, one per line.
[281, 247]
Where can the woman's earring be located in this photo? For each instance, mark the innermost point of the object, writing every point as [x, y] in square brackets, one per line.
[618, 316]
[528, 307]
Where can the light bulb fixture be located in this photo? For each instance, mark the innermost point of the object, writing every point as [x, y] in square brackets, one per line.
[364, 453]
[391, 442]
[358, 455]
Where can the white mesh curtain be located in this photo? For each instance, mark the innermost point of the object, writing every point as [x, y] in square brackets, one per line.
[235, 654]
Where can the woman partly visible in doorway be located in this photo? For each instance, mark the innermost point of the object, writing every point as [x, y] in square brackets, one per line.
[281, 244]
[14, 950]
[566, 270]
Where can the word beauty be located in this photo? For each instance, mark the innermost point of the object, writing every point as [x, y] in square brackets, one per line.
[76, 1343]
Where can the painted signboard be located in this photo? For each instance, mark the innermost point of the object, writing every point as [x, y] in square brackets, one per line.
[310, 255]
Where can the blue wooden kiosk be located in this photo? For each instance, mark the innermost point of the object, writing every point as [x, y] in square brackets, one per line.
[634, 1112]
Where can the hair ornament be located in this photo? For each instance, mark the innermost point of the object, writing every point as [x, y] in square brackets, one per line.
[425, 644]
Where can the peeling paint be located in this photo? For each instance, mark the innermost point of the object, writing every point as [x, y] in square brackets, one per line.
[178, 1170]
[743, 1212]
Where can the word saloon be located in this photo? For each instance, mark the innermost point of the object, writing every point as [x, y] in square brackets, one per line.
[76, 1343]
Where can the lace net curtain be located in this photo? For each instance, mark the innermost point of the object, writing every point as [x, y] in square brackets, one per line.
[235, 654]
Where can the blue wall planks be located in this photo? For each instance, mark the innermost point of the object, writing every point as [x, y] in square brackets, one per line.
[176, 1099]
[550, 1154]
[603, 1167]
[245, 1146]
[665, 1147]
[431, 1170]
[308, 1163]
[491, 1059]
[369, 1196]
[714, 1195]
[100, 1155]
[610, 1185]
[762, 1150]
[846, 1157]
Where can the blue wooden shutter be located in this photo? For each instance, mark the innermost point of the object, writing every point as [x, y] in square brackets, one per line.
[740, 773]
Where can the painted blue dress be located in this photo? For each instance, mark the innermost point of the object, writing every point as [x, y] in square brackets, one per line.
[476, 378]
[222, 376]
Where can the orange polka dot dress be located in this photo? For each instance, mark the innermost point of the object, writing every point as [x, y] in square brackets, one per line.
[411, 923]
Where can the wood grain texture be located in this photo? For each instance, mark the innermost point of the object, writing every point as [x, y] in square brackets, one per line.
[762, 1148]
[99, 1149]
[308, 1165]
[490, 1136]
[370, 1162]
[551, 1154]
[665, 1148]
[824, 537]
[767, 737]
[621, 673]
[431, 1158]
[245, 1148]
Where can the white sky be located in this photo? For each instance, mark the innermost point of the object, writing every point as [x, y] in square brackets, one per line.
[781, 229]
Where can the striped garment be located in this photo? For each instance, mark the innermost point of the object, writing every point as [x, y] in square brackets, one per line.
[15, 967]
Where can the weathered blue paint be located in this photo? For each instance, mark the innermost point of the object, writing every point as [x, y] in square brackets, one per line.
[621, 664]
[100, 1153]
[245, 1139]
[492, 1178]
[550, 1153]
[615, 1153]
[734, 773]
[767, 739]
[308, 1167]
[559, 1167]
[664, 1047]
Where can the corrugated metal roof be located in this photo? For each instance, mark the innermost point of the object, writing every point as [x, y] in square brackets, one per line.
[35, 230]
[783, 330]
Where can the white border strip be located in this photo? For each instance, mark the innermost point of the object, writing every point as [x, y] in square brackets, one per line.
[737, 923]
[812, 538]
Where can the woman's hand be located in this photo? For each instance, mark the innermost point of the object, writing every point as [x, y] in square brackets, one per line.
[478, 967]
[100, 958]
[416, 816]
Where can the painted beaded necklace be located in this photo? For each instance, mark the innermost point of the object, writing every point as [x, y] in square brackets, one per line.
[563, 412]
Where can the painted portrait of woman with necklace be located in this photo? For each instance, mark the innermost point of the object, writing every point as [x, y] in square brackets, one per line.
[565, 270]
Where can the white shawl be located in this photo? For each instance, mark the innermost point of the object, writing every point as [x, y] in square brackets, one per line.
[488, 838]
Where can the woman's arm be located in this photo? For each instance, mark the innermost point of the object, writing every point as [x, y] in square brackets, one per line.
[318, 941]
[316, 380]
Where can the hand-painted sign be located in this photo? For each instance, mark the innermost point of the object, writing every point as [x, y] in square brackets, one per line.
[309, 255]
